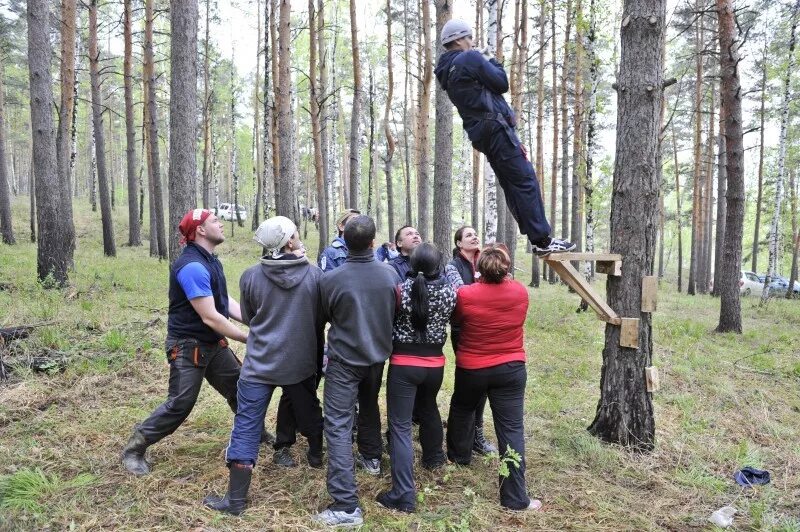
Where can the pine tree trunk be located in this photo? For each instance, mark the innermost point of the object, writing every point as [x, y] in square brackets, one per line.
[708, 198]
[319, 173]
[730, 313]
[207, 95]
[722, 179]
[423, 126]
[554, 163]
[285, 206]
[678, 209]
[774, 233]
[275, 138]
[325, 124]
[134, 229]
[565, 212]
[6, 228]
[182, 116]
[477, 161]
[591, 132]
[257, 161]
[576, 232]
[625, 410]
[443, 147]
[387, 131]
[266, 141]
[694, 260]
[65, 117]
[53, 255]
[795, 234]
[491, 209]
[371, 149]
[32, 199]
[109, 248]
[760, 194]
[535, 273]
[407, 126]
[154, 159]
[355, 117]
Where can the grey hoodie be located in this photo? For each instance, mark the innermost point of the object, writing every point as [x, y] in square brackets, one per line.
[280, 302]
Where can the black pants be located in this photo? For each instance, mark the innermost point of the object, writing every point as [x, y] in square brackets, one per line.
[515, 173]
[286, 426]
[344, 385]
[403, 385]
[455, 334]
[189, 363]
[505, 386]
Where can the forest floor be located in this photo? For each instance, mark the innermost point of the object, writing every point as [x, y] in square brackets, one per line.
[726, 401]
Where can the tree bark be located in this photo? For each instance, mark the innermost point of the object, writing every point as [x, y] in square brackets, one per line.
[109, 248]
[576, 228]
[678, 208]
[722, 184]
[53, 252]
[6, 228]
[625, 410]
[795, 234]
[207, 95]
[565, 212]
[325, 123]
[32, 199]
[257, 161]
[492, 206]
[154, 159]
[355, 117]
[591, 132]
[319, 177]
[423, 126]
[134, 228]
[65, 117]
[774, 233]
[443, 147]
[285, 205]
[730, 312]
[554, 162]
[182, 116]
[694, 259]
[387, 131]
[760, 194]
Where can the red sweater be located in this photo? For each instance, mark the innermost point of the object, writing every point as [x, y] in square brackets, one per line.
[491, 318]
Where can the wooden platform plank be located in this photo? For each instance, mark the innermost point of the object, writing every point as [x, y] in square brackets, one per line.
[629, 333]
[649, 293]
[609, 267]
[572, 277]
[653, 382]
[560, 257]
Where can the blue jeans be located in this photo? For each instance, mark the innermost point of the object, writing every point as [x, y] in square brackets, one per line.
[248, 424]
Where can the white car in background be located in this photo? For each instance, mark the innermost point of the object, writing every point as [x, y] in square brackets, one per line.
[749, 284]
[226, 211]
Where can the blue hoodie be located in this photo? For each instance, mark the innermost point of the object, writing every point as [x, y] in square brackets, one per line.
[475, 85]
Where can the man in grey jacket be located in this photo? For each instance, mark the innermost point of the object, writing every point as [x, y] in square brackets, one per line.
[280, 301]
[359, 300]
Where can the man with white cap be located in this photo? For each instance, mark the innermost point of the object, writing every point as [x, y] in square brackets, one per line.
[280, 301]
[197, 330]
[475, 83]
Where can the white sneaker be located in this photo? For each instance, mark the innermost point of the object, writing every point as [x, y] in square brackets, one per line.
[556, 245]
[340, 518]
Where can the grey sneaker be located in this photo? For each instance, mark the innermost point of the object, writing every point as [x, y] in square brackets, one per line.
[556, 245]
[371, 465]
[340, 518]
[283, 458]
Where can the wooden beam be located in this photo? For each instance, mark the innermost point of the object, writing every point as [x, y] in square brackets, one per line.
[610, 267]
[629, 333]
[653, 382]
[649, 293]
[561, 257]
[572, 277]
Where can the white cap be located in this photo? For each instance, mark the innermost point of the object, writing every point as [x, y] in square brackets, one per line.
[274, 233]
[454, 29]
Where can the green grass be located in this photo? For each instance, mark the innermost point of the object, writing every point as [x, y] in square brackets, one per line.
[726, 401]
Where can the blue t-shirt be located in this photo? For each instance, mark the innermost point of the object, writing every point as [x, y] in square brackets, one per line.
[195, 281]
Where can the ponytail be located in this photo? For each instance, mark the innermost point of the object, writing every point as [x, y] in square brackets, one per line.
[419, 303]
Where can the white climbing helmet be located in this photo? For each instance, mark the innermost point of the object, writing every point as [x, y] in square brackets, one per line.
[454, 29]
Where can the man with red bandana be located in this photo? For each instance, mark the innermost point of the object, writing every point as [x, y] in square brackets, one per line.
[198, 327]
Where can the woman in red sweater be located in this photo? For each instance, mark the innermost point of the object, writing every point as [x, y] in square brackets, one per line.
[490, 360]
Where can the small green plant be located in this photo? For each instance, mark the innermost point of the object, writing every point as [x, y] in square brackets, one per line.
[114, 340]
[27, 488]
[509, 458]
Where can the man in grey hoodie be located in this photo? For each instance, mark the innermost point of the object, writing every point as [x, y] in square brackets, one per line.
[359, 299]
[280, 301]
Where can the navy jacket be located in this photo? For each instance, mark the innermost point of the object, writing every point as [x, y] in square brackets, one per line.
[402, 265]
[475, 85]
[333, 256]
[182, 320]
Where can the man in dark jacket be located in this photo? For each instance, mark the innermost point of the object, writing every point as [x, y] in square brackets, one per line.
[358, 299]
[280, 302]
[406, 239]
[197, 327]
[475, 84]
[334, 255]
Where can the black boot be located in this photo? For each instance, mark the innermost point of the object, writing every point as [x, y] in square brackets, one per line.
[235, 501]
[481, 445]
[133, 454]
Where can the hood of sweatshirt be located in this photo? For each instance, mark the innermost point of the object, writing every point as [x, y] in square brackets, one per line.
[442, 70]
[286, 271]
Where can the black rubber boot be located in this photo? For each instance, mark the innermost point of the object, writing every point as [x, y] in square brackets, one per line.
[481, 445]
[133, 454]
[235, 501]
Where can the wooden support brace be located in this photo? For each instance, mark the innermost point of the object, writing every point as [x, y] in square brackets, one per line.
[629, 333]
[572, 277]
[649, 293]
[610, 267]
[653, 383]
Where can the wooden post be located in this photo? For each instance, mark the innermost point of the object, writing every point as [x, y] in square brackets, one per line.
[629, 335]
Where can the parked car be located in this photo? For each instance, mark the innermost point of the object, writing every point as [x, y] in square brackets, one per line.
[749, 284]
[783, 282]
[777, 288]
[227, 212]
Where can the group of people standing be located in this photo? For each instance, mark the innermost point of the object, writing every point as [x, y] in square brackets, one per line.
[397, 311]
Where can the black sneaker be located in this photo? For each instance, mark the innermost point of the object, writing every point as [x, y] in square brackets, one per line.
[283, 458]
[556, 245]
[371, 465]
[385, 501]
[314, 459]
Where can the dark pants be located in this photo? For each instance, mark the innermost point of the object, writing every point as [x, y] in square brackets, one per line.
[344, 384]
[505, 386]
[403, 385]
[248, 424]
[515, 173]
[286, 425]
[189, 363]
[455, 334]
